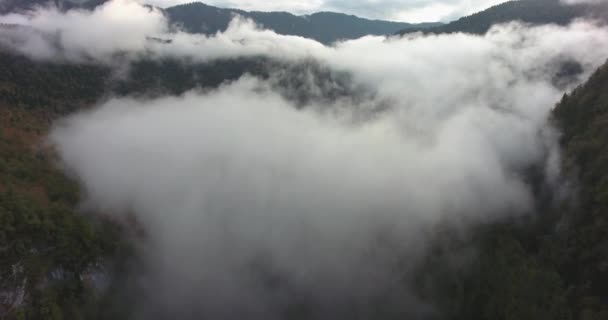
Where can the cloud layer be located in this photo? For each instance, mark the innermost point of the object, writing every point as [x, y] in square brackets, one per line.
[118, 26]
[254, 205]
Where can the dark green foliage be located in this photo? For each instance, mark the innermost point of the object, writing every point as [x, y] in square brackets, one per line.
[300, 83]
[53, 89]
[534, 12]
[504, 273]
[325, 27]
[58, 88]
[174, 77]
[583, 117]
[41, 232]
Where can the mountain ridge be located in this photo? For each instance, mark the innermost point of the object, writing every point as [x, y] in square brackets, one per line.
[325, 27]
[198, 17]
[534, 12]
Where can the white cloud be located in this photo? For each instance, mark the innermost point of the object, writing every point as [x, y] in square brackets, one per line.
[116, 27]
[223, 179]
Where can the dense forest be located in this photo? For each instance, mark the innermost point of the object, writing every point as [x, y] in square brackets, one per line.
[50, 253]
[553, 266]
[581, 116]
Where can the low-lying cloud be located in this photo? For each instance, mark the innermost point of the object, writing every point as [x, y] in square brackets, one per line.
[114, 28]
[254, 205]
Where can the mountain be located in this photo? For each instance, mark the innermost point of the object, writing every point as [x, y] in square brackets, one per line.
[197, 17]
[325, 27]
[535, 12]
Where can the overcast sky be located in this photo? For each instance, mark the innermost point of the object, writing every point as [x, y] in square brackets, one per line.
[398, 10]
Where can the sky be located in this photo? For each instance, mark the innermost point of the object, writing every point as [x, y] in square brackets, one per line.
[397, 10]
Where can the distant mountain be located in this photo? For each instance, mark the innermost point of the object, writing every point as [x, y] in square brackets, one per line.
[535, 12]
[197, 17]
[8, 6]
[325, 27]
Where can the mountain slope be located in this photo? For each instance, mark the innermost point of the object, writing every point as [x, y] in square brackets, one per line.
[583, 117]
[47, 249]
[553, 266]
[325, 27]
[535, 12]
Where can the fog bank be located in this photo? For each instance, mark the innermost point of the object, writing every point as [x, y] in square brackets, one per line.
[254, 206]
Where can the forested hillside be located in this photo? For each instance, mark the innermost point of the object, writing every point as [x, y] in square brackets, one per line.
[551, 266]
[535, 12]
[50, 254]
[582, 116]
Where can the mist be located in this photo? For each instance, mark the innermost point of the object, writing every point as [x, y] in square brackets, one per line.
[254, 205]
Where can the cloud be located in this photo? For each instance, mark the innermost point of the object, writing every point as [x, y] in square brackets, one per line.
[82, 35]
[226, 180]
[117, 27]
[254, 205]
